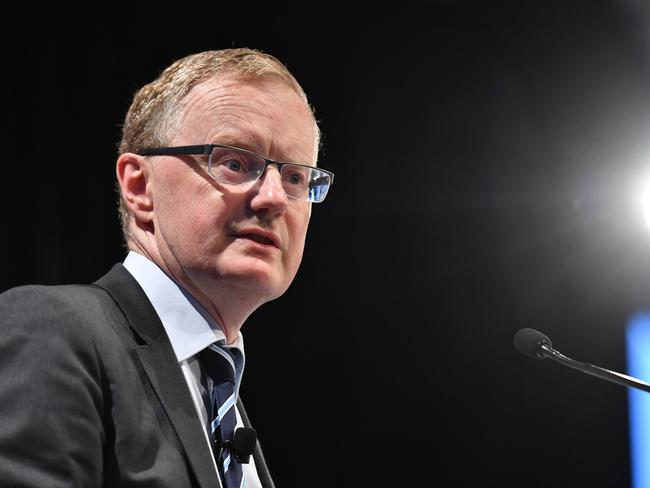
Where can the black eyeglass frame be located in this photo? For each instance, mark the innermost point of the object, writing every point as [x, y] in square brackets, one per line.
[208, 148]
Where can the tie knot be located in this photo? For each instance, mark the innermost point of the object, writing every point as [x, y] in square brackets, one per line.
[215, 365]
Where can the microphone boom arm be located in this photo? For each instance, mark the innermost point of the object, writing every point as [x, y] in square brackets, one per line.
[605, 374]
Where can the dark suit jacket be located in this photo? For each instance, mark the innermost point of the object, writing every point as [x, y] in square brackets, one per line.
[91, 393]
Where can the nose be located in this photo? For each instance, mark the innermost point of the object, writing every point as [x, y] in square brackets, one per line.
[268, 193]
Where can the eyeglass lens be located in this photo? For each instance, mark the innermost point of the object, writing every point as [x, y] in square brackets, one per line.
[236, 167]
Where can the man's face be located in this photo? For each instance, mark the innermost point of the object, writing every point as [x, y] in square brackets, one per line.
[214, 237]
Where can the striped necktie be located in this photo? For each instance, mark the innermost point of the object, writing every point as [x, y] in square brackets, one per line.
[220, 386]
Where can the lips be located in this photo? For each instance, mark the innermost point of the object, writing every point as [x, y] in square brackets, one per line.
[260, 236]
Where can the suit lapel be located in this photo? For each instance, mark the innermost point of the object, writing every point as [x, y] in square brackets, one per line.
[170, 386]
[163, 371]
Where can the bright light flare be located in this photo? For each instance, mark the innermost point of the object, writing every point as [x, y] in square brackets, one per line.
[642, 200]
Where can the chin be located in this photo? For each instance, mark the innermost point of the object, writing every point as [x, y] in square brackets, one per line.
[266, 283]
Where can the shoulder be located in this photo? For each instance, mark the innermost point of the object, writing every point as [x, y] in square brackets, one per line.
[45, 314]
[42, 301]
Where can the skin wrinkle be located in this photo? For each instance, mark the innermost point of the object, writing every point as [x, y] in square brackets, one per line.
[192, 229]
[240, 115]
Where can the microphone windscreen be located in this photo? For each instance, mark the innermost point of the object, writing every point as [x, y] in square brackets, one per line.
[528, 341]
[245, 440]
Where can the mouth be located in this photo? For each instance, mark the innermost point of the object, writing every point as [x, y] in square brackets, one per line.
[259, 236]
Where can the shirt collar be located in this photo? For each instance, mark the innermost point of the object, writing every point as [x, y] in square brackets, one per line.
[189, 327]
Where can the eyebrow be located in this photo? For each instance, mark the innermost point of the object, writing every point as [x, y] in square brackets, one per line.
[242, 139]
[252, 141]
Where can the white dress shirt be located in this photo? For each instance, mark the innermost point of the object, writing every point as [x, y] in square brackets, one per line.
[190, 330]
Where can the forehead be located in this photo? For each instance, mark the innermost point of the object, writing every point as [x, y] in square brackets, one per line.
[263, 115]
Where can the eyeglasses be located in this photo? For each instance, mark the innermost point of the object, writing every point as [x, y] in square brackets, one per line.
[235, 166]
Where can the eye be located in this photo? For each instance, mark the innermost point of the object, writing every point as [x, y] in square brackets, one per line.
[295, 179]
[233, 165]
[231, 161]
[295, 175]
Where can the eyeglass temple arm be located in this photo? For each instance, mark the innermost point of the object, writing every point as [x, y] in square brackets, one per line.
[177, 150]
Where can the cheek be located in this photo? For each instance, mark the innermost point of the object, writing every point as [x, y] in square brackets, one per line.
[192, 213]
[298, 232]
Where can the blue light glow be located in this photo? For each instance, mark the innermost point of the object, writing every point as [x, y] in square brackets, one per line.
[638, 365]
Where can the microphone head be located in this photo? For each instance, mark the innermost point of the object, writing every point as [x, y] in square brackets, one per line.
[244, 443]
[529, 341]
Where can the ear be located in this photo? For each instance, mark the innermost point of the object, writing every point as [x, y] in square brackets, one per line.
[133, 177]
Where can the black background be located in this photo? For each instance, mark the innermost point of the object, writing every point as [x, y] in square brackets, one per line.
[487, 156]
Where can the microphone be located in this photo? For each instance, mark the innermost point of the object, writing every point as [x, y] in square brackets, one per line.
[243, 444]
[537, 346]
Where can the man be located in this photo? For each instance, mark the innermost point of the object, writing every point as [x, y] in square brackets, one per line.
[112, 384]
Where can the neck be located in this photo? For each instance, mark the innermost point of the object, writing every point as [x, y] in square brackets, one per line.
[229, 306]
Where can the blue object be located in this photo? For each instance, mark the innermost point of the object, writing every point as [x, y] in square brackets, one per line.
[638, 366]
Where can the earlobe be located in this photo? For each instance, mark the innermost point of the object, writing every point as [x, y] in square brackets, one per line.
[133, 177]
